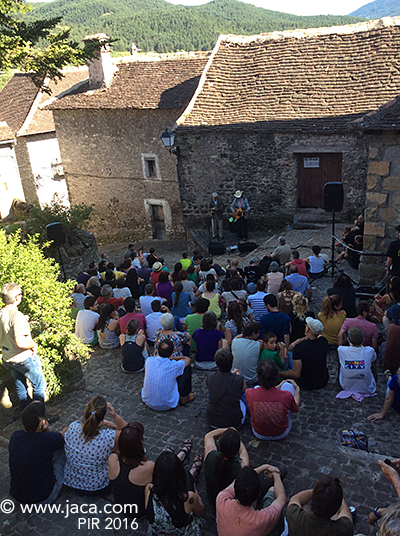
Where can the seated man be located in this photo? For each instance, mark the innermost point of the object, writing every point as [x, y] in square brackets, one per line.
[299, 282]
[195, 320]
[131, 314]
[235, 513]
[256, 301]
[246, 349]
[78, 296]
[328, 514]
[300, 263]
[275, 321]
[271, 407]
[282, 253]
[253, 272]
[147, 300]
[355, 361]
[153, 320]
[368, 328]
[107, 296]
[36, 458]
[392, 474]
[86, 320]
[167, 380]
[309, 358]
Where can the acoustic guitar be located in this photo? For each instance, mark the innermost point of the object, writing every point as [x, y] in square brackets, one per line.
[238, 213]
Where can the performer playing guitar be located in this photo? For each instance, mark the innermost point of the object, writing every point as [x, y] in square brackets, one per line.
[239, 208]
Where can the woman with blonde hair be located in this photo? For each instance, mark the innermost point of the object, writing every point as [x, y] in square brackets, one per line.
[332, 317]
[88, 446]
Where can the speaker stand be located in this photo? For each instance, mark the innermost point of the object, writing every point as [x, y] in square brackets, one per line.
[62, 266]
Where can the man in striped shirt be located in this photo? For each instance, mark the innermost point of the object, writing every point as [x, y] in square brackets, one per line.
[256, 301]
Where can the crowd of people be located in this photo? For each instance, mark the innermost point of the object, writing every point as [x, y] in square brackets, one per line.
[253, 330]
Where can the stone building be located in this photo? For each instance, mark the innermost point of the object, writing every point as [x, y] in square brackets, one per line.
[31, 167]
[273, 116]
[109, 131]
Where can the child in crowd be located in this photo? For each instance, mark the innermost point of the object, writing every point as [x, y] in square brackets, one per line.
[276, 352]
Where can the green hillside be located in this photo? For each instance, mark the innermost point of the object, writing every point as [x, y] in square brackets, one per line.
[163, 27]
[378, 9]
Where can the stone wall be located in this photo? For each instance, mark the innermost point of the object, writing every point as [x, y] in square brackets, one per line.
[264, 165]
[382, 213]
[25, 171]
[79, 250]
[103, 155]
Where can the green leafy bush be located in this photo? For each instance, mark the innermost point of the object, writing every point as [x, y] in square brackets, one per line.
[46, 301]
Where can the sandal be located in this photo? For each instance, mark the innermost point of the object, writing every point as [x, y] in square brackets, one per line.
[186, 450]
[196, 467]
[187, 399]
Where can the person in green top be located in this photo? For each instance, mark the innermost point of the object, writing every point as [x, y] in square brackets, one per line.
[194, 321]
[192, 276]
[274, 351]
[185, 261]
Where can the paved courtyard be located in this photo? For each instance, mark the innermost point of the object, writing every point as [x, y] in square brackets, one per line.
[312, 449]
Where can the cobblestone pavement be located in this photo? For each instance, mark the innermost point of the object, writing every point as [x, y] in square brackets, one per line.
[312, 449]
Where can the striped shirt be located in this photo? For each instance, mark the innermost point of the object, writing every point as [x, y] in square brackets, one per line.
[256, 302]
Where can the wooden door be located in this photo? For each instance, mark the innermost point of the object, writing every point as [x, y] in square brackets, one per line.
[316, 169]
[157, 212]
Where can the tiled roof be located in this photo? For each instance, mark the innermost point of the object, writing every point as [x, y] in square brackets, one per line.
[16, 99]
[141, 85]
[386, 118]
[5, 132]
[302, 79]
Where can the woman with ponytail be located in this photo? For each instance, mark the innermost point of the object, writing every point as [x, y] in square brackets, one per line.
[180, 302]
[223, 462]
[88, 446]
[332, 317]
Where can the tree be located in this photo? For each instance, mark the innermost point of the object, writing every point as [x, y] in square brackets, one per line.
[40, 47]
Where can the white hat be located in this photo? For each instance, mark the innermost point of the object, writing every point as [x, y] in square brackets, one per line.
[215, 194]
[315, 325]
[238, 193]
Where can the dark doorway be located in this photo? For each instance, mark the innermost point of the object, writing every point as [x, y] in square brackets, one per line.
[158, 221]
[316, 169]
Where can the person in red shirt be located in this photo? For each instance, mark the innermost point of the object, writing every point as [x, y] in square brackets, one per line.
[271, 407]
[131, 314]
[300, 263]
[107, 297]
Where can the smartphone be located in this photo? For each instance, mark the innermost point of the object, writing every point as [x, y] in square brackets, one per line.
[391, 464]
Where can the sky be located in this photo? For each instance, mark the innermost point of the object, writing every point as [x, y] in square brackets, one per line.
[298, 7]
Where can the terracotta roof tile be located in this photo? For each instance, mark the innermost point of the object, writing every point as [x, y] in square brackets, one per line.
[16, 99]
[321, 78]
[386, 118]
[141, 84]
[5, 132]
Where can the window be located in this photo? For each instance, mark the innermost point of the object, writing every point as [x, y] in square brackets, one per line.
[150, 166]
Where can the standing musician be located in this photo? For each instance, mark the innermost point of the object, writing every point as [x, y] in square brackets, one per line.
[217, 222]
[240, 207]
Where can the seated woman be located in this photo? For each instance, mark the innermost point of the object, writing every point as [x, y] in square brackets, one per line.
[180, 302]
[222, 463]
[355, 374]
[122, 290]
[392, 400]
[106, 327]
[298, 317]
[343, 287]
[225, 388]
[179, 338]
[88, 447]
[164, 288]
[93, 286]
[135, 350]
[214, 298]
[204, 270]
[274, 278]
[129, 470]
[271, 407]
[202, 287]
[175, 273]
[383, 303]
[285, 297]
[236, 321]
[173, 504]
[316, 262]
[208, 340]
[188, 284]
[332, 317]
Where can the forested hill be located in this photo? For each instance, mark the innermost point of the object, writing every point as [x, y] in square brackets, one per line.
[163, 27]
[378, 9]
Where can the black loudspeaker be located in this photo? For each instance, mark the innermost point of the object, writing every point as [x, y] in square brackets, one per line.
[333, 197]
[214, 248]
[55, 232]
[246, 247]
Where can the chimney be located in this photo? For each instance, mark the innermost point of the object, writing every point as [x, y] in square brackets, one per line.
[101, 68]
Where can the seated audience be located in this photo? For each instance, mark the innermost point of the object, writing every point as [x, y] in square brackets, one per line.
[392, 400]
[234, 293]
[254, 271]
[246, 349]
[236, 321]
[285, 297]
[194, 321]
[235, 512]
[122, 290]
[88, 446]
[131, 314]
[130, 471]
[274, 278]
[362, 322]
[256, 301]
[175, 273]
[188, 285]
[178, 338]
[332, 317]
[275, 321]
[107, 296]
[151, 257]
[108, 278]
[309, 358]
[192, 275]
[134, 347]
[86, 321]
[153, 320]
[383, 303]
[282, 253]
[164, 288]
[146, 300]
[316, 263]
[36, 458]
[93, 287]
[214, 297]
[173, 505]
[391, 354]
[180, 302]
[185, 261]
[225, 388]
[133, 281]
[79, 296]
[167, 379]
[205, 269]
[202, 287]
[300, 263]
[355, 374]
[224, 456]
[343, 288]
[208, 340]
[106, 327]
[328, 512]
[232, 278]
[273, 351]
[299, 282]
[298, 317]
[389, 524]
[271, 407]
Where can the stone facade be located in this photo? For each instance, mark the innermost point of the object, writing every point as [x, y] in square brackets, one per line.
[103, 154]
[382, 212]
[265, 166]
